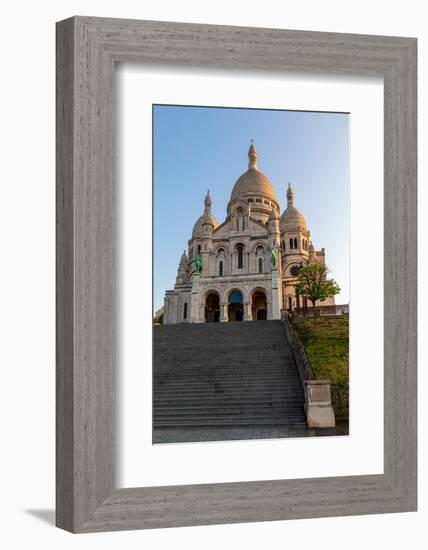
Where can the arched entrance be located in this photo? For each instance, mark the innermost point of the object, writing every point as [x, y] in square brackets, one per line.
[212, 307]
[236, 306]
[259, 306]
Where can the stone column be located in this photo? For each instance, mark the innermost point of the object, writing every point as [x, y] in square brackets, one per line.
[244, 311]
[276, 295]
[194, 299]
[247, 312]
[223, 313]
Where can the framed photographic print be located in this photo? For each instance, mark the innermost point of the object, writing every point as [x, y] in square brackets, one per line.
[236, 274]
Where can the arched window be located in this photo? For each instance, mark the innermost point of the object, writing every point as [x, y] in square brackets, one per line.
[291, 244]
[260, 265]
[295, 242]
[220, 268]
[185, 311]
[199, 249]
[240, 252]
[290, 303]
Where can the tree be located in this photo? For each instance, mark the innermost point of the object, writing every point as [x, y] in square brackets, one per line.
[313, 283]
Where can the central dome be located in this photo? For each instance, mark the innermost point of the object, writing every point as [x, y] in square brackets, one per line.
[253, 181]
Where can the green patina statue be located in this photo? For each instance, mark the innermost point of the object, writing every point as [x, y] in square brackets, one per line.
[198, 264]
[274, 257]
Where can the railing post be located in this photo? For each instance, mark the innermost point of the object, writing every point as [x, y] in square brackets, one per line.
[318, 407]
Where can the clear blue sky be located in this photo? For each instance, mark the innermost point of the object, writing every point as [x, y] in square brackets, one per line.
[199, 148]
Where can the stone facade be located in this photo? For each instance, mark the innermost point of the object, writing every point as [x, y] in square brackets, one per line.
[247, 261]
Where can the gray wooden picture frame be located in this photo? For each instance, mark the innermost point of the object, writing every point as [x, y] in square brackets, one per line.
[87, 50]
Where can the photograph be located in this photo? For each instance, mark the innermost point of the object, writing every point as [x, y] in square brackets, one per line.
[251, 237]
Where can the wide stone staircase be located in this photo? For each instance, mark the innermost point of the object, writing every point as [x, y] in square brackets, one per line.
[225, 375]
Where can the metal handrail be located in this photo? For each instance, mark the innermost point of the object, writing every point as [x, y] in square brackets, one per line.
[302, 361]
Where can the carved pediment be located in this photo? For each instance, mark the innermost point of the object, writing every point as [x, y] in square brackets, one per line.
[255, 228]
[222, 231]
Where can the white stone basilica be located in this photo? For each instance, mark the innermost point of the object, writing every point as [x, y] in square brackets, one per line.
[247, 261]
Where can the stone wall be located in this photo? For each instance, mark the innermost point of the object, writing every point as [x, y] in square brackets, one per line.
[320, 311]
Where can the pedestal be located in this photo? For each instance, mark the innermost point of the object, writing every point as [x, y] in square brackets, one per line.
[318, 406]
[194, 299]
[276, 295]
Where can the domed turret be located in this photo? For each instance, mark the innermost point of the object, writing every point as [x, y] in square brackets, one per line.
[292, 217]
[255, 188]
[206, 220]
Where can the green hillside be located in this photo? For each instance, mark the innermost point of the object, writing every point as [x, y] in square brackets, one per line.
[326, 343]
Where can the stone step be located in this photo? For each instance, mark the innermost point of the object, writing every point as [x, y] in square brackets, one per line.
[212, 403]
[290, 412]
[233, 423]
[229, 383]
[224, 397]
[200, 411]
[223, 362]
[236, 392]
[274, 367]
[217, 386]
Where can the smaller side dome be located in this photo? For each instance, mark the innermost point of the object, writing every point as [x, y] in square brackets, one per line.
[198, 228]
[206, 219]
[292, 217]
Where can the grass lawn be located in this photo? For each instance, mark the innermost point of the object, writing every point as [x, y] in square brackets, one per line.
[326, 342]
